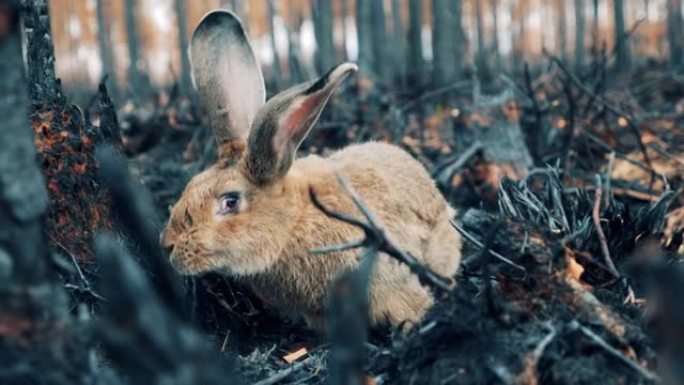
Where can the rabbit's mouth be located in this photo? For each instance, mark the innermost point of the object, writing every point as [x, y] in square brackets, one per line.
[191, 264]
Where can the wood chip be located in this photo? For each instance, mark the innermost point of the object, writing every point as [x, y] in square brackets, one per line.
[294, 356]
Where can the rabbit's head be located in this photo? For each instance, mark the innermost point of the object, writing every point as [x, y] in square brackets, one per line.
[228, 215]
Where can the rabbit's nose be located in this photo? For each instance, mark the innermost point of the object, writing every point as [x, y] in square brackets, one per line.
[164, 243]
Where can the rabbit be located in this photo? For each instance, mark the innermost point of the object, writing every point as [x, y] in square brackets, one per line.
[250, 216]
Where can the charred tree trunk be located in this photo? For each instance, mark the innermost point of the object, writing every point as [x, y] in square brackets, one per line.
[622, 49]
[416, 64]
[132, 41]
[185, 82]
[580, 25]
[277, 71]
[364, 28]
[379, 40]
[519, 13]
[595, 28]
[36, 343]
[447, 41]
[562, 30]
[399, 45]
[323, 27]
[296, 70]
[65, 145]
[494, 5]
[482, 65]
[675, 33]
[106, 56]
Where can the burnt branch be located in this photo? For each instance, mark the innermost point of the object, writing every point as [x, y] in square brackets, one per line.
[375, 236]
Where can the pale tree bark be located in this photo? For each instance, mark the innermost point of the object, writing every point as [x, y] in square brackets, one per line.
[622, 48]
[323, 27]
[181, 17]
[344, 14]
[580, 26]
[447, 41]
[133, 47]
[675, 33]
[105, 46]
[399, 43]
[416, 63]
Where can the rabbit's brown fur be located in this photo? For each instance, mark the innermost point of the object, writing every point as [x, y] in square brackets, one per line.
[266, 240]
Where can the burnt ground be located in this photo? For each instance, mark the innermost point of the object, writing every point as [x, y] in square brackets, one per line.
[541, 303]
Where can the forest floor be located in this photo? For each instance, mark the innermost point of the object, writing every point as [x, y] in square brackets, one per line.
[544, 295]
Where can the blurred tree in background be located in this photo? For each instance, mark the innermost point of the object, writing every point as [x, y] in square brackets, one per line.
[403, 43]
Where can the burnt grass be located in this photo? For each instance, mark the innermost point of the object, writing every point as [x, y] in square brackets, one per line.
[536, 300]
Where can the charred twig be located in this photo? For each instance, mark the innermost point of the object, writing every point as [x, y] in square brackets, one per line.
[435, 93]
[596, 216]
[479, 245]
[87, 287]
[531, 360]
[609, 172]
[281, 375]
[605, 103]
[375, 235]
[624, 157]
[649, 375]
[446, 173]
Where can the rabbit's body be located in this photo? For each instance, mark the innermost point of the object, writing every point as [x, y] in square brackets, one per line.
[400, 193]
[250, 215]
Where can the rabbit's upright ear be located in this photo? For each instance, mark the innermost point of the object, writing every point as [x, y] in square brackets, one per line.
[227, 77]
[284, 122]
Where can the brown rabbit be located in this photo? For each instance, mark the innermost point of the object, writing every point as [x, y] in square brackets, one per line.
[250, 215]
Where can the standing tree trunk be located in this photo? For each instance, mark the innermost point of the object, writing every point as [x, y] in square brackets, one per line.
[494, 6]
[562, 30]
[481, 57]
[323, 27]
[580, 22]
[36, 331]
[595, 28]
[133, 55]
[447, 41]
[399, 45]
[622, 49]
[675, 33]
[379, 40]
[415, 59]
[181, 17]
[78, 207]
[23, 199]
[364, 28]
[277, 72]
[519, 12]
[105, 45]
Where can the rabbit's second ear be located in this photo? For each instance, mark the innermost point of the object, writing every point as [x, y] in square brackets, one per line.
[285, 121]
[227, 76]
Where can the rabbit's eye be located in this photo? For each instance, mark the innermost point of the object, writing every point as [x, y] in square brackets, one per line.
[228, 203]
